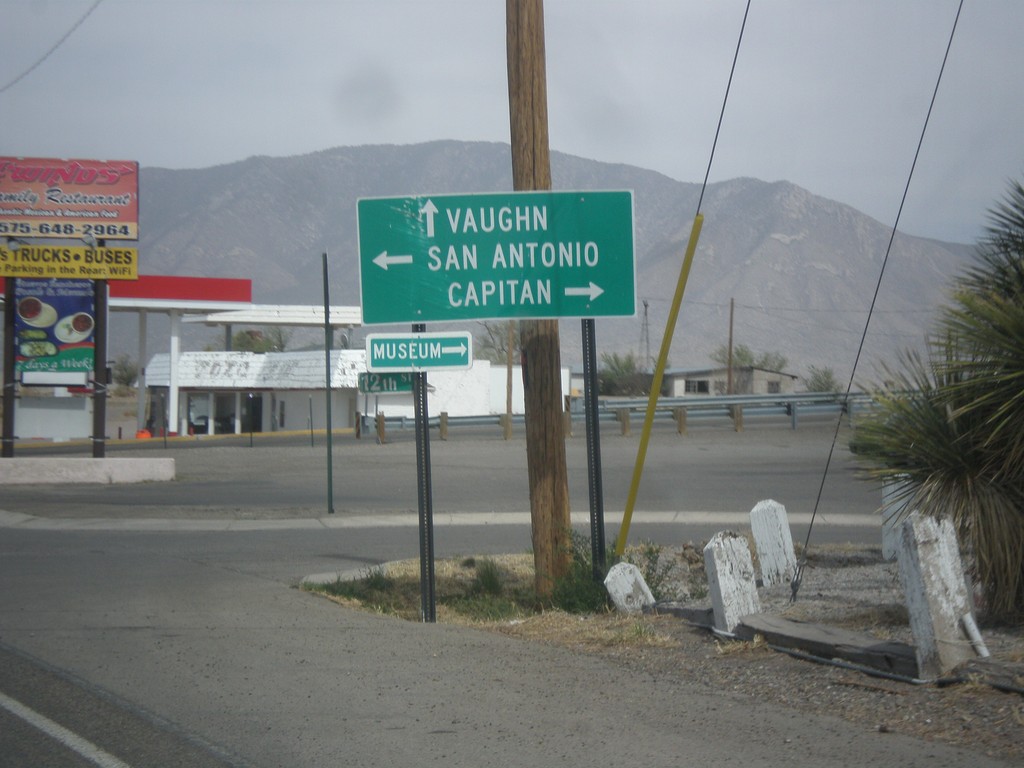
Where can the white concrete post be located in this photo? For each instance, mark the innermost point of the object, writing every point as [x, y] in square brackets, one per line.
[627, 588]
[774, 542]
[237, 419]
[893, 508]
[936, 593]
[730, 571]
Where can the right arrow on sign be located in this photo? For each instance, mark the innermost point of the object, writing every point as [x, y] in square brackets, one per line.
[592, 291]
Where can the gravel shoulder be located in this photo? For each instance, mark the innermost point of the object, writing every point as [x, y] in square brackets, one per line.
[849, 587]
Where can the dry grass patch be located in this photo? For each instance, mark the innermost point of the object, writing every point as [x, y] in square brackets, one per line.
[741, 647]
[468, 590]
[495, 593]
[591, 632]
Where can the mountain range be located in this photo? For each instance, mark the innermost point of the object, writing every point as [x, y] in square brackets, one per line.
[800, 270]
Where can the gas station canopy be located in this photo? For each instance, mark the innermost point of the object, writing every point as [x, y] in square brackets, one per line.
[295, 315]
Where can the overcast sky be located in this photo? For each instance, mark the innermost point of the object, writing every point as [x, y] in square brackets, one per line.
[829, 94]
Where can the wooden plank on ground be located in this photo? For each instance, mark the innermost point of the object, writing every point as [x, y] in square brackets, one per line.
[701, 617]
[831, 643]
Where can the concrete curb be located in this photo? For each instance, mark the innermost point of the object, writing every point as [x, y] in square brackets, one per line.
[35, 471]
[10, 519]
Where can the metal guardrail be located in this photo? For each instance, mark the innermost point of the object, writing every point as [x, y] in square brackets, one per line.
[725, 401]
[736, 406]
[678, 409]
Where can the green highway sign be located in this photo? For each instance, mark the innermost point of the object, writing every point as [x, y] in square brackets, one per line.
[385, 383]
[496, 256]
[415, 352]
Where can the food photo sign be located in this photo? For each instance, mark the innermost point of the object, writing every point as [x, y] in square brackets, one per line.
[54, 327]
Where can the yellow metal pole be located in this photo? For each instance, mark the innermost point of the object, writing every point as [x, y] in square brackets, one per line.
[659, 373]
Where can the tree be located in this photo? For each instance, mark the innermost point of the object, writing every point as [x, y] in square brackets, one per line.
[621, 375]
[821, 380]
[124, 371]
[272, 339]
[744, 357]
[492, 343]
[950, 428]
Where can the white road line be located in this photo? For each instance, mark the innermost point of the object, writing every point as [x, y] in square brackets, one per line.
[58, 732]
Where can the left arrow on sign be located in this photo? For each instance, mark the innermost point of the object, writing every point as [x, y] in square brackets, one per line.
[384, 261]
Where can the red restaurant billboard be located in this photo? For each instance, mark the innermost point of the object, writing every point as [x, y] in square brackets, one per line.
[43, 197]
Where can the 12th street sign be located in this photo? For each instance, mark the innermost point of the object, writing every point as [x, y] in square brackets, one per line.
[417, 352]
[385, 383]
[496, 256]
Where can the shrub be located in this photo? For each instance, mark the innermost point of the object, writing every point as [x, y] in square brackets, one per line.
[578, 591]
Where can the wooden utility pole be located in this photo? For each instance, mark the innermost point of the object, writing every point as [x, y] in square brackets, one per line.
[510, 341]
[542, 385]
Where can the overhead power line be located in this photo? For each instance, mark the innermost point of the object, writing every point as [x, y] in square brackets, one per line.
[52, 50]
[767, 308]
[795, 585]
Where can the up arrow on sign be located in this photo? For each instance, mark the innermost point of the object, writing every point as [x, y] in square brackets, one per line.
[497, 256]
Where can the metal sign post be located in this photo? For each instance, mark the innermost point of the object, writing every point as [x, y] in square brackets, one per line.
[590, 405]
[99, 368]
[7, 444]
[520, 255]
[428, 598]
[327, 366]
[392, 359]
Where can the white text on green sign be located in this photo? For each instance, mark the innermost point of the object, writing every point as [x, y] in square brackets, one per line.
[385, 383]
[495, 256]
[418, 352]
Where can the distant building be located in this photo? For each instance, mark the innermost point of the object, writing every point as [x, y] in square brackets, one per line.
[235, 392]
[746, 380]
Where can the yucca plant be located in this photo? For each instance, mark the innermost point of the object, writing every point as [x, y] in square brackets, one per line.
[987, 318]
[951, 429]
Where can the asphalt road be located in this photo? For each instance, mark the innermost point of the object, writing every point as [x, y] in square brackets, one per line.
[711, 469]
[160, 624]
[193, 648]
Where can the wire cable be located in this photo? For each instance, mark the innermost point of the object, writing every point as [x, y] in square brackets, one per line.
[52, 50]
[725, 100]
[673, 316]
[798, 576]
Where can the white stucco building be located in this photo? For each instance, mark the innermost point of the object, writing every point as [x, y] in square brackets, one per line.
[747, 380]
[229, 392]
